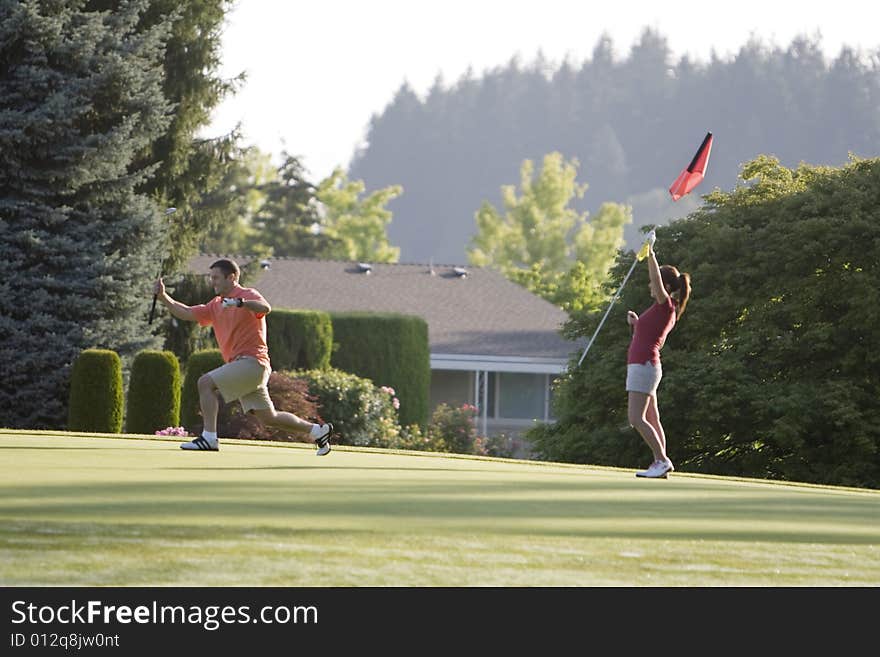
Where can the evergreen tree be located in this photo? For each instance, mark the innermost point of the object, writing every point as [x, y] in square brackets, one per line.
[189, 169]
[80, 99]
[241, 191]
[632, 122]
[283, 214]
[288, 223]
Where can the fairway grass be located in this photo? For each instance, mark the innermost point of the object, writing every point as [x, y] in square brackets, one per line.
[98, 510]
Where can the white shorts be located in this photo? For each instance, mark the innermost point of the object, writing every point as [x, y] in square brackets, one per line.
[643, 377]
[245, 379]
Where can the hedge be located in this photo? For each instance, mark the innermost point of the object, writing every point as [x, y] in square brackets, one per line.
[153, 392]
[299, 339]
[96, 396]
[391, 350]
[199, 363]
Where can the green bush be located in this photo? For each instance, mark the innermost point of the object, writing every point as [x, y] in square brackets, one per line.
[412, 437]
[153, 392]
[772, 372]
[361, 413]
[503, 446]
[96, 397]
[299, 339]
[454, 429]
[199, 363]
[391, 350]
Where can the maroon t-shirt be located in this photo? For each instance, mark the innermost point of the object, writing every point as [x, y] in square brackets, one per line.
[650, 333]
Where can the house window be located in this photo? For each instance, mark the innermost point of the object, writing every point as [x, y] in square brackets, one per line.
[521, 396]
[451, 387]
[515, 396]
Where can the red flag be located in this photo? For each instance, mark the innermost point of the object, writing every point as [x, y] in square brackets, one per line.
[693, 174]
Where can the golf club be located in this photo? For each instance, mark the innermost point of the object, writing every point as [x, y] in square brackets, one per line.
[639, 257]
[168, 211]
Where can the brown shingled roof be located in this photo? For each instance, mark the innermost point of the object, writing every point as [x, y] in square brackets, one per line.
[481, 313]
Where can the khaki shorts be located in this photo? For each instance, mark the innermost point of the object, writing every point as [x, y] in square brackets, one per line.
[245, 379]
[643, 377]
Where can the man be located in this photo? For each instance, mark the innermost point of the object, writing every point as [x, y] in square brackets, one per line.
[238, 315]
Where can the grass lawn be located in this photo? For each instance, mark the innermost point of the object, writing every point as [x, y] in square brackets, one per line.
[97, 510]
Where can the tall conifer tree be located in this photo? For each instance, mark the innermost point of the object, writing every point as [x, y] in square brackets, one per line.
[190, 168]
[80, 99]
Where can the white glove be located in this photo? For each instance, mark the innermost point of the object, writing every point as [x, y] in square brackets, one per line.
[229, 302]
[652, 237]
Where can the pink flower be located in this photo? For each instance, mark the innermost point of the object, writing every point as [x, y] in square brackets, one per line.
[396, 403]
[173, 431]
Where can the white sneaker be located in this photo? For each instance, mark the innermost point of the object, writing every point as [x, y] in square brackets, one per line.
[203, 444]
[321, 434]
[657, 470]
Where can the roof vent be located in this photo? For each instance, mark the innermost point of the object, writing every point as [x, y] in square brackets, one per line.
[461, 272]
[365, 267]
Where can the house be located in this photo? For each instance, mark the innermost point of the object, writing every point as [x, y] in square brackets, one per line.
[492, 343]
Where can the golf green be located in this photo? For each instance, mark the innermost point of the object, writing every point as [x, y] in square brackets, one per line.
[99, 510]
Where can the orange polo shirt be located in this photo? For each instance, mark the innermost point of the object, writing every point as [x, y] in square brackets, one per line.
[239, 331]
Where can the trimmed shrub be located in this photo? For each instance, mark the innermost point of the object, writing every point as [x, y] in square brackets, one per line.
[288, 394]
[299, 339]
[361, 413]
[153, 392]
[96, 397]
[199, 363]
[391, 350]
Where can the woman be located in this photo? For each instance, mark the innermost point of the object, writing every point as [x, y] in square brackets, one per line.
[670, 290]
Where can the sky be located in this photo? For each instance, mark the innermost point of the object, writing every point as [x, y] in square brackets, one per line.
[317, 71]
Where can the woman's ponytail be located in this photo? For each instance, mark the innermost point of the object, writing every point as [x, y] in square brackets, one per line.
[678, 285]
[683, 292]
